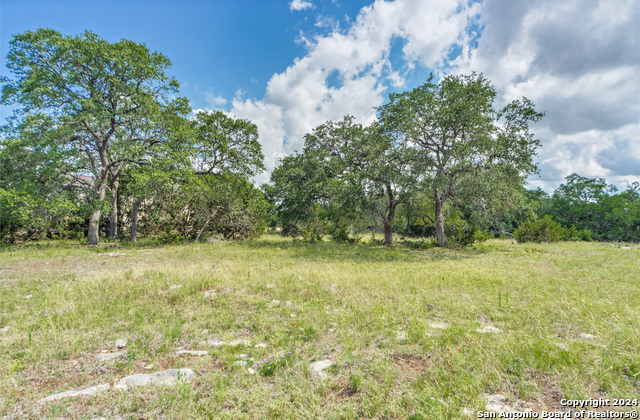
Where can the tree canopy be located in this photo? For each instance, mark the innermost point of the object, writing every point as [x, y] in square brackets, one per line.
[468, 145]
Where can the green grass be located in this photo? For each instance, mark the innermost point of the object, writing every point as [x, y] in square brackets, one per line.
[339, 302]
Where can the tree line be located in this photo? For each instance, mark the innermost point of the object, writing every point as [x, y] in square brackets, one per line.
[102, 144]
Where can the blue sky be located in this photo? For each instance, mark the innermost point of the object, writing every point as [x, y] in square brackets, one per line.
[290, 65]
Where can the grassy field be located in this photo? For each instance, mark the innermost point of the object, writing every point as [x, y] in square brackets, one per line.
[399, 324]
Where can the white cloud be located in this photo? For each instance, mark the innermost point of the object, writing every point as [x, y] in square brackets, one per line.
[577, 60]
[298, 5]
[303, 96]
[213, 100]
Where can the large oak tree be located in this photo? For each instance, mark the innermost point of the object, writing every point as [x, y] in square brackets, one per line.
[107, 104]
[470, 148]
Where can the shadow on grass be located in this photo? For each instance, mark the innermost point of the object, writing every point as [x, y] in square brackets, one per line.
[359, 253]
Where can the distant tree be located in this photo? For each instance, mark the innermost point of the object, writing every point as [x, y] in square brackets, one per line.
[592, 204]
[344, 172]
[470, 148]
[106, 104]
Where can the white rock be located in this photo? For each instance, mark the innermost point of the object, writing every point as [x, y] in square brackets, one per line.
[251, 371]
[150, 366]
[210, 294]
[584, 336]
[120, 343]
[234, 343]
[193, 352]
[402, 335]
[275, 302]
[489, 329]
[292, 316]
[467, 412]
[213, 343]
[270, 286]
[439, 325]
[5, 329]
[496, 403]
[108, 356]
[165, 377]
[204, 332]
[175, 287]
[261, 345]
[240, 363]
[28, 297]
[317, 368]
[76, 392]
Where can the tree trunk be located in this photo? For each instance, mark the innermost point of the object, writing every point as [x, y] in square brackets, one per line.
[113, 215]
[388, 233]
[93, 237]
[202, 228]
[439, 204]
[388, 219]
[134, 220]
[94, 228]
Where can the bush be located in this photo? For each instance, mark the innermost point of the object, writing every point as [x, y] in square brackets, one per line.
[548, 230]
[542, 230]
[461, 233]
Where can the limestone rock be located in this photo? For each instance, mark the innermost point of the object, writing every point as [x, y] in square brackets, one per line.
[120, 343]
[489, 329]
[164, 377]
[102, 357]
[213, 343]
[193, 352]
[92, 390]
[318, 368]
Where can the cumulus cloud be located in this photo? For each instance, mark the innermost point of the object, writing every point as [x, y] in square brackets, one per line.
[347, 71]
[579, 61]
[297, 5]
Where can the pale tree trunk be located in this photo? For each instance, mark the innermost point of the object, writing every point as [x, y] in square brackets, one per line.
[203, 227]
[93, 237]
[113, 215]
[134, 220]
[388, 218]
[439, 204]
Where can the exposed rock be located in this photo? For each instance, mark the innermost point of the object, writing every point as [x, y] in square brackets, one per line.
[120, 343]
[584, 336]
[164, 377]
[318, 368]
[275, 302]
[439, 325]
[175, 287]
[234, 343]
[213, 343]
[204, 332]
[5, 329]
[76, 392]
[467, 412]
[261, 345]
[497, 403]
[28, 297]
[489, 329]
[210, 294]
[402, 335]
[251, 371]
[150, 366]
[193, 352]
[240, 363]
[108, 356]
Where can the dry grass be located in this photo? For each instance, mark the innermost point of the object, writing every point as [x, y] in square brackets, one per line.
[343, 303]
